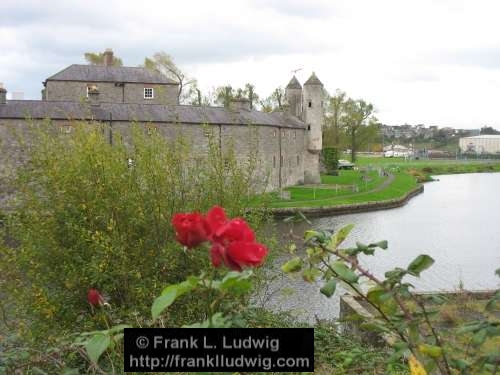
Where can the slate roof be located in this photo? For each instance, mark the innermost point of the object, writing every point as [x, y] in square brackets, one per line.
[41, 109]
[294, 84]
[313, 80]
[59, 110]
[101, 73]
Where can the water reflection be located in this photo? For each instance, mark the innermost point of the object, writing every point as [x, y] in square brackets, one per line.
[456, 221]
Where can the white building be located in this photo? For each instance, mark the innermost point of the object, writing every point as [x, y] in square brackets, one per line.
[481, 144]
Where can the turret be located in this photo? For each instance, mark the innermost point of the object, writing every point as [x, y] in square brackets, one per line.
[312, 115]
[293, 95]
[312, 112]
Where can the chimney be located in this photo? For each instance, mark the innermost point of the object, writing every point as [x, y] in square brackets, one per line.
[108, 57]
[93, 95]
[239, 104]
[3, 95]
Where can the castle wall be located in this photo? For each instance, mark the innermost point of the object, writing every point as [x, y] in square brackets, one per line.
[108, 92]
[259, 142]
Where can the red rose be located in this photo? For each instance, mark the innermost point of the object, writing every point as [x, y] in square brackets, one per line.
[238, 254]
[216, 218]
[190, 229]
[250, 254]
[234, 230]
[94, 297]
[233, 241]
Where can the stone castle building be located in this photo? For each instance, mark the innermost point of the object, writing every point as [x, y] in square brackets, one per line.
[288, 141]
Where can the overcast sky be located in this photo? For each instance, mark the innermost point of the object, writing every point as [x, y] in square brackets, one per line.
[435, 62]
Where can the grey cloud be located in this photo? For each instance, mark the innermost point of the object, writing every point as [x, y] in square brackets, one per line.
[488, 58]
[300, 8]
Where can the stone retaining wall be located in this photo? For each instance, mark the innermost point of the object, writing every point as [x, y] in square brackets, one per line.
[348, 208]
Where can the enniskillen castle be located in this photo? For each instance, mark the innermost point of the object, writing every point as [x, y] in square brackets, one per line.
[288, 141]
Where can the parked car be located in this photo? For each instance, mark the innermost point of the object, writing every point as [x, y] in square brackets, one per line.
[345, 164]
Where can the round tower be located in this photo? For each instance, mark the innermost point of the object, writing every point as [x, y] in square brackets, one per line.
[312, 115]
[293, 95]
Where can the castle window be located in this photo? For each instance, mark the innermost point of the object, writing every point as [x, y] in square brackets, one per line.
[308, 127]
[298, 160]
[274, 161]
[149, 93]
[295, 134]
[281, 160]
[310, 104]
[274, 133]
[91, 88]
[283, 133]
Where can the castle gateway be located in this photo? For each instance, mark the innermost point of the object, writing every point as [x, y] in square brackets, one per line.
[288, 141]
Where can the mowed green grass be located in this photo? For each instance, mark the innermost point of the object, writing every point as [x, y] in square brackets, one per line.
[402, 184]
[334, 186]
[440, 166]
[325, 196]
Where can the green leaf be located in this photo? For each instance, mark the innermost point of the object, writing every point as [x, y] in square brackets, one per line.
[236, 282]
[170, 294]
[344, 272]
[309, 234]
[311, 274]
[419, 264]
[378, 295]
[430, 350]
[162, 302]
[329, 288]
[293, 265]
[118, 328]
[382, 244]
[96, 346]
[340, 236]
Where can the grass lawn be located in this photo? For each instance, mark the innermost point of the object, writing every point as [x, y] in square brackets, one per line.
[402, 183]
[439, 166]
[349, 187]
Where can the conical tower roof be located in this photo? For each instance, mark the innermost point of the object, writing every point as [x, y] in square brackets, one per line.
[294, 84]
[313, 80]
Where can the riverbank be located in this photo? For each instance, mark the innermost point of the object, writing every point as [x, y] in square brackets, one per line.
[376, 184]
[349, 208]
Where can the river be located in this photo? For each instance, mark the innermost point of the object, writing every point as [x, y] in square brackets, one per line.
[456, 221]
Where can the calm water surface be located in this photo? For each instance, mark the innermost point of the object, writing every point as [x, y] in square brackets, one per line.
[456, 221]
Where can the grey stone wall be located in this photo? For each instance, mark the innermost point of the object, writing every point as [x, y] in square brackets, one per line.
[108, 92]
[263, 142]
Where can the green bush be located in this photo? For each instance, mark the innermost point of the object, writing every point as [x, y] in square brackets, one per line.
[330, 159]
[90, 214]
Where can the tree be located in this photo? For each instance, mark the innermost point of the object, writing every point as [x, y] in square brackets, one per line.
[358, 114]
[274, 101]
[97, 58]
[488, 130]
[224, 95]
[250, 94]
[335, 110]
[163, 63]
